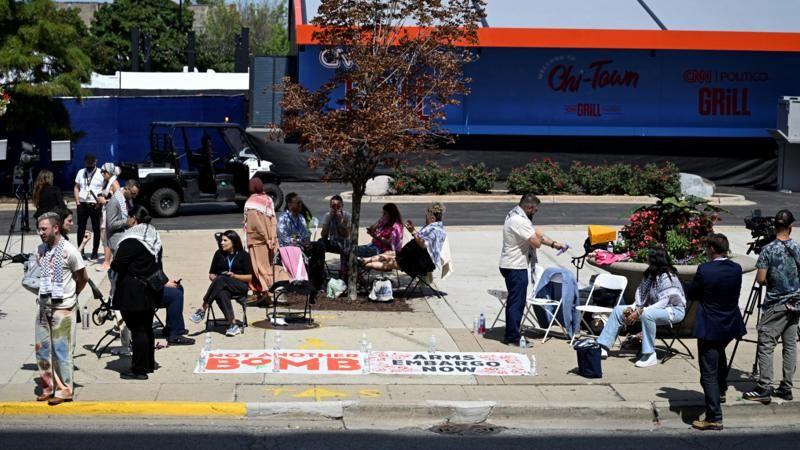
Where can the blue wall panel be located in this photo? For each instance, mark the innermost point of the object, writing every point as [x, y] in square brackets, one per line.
[614, 92]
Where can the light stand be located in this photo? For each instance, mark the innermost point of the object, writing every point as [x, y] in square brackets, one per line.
[21, 214]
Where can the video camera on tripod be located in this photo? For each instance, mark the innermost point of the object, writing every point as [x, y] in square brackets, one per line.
[762, 230]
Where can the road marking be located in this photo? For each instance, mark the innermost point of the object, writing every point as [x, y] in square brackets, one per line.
[278, 391]
[315, 344]
[319, 393]
[369, 393]
[125, 409]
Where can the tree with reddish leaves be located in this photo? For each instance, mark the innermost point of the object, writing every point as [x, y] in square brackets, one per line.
[400, 67]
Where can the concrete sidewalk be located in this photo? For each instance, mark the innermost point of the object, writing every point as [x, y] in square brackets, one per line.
[667, 393]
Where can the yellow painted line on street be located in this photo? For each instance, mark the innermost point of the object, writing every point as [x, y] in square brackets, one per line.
[124, 409]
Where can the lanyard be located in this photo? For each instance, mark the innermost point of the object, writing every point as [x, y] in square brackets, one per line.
[296, 225]
[230, 261]
[87, 177]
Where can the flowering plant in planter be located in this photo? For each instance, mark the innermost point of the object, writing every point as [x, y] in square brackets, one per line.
[5, 100]
[680, 225]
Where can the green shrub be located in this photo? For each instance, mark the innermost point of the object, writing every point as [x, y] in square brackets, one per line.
[625, 179]
[432, 178]
[541, 178]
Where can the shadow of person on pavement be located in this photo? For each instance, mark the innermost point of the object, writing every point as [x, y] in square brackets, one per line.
[689, 405]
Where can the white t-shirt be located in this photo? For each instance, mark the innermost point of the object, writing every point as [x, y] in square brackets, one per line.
[72, 262]
[89, 181]
[516, 248]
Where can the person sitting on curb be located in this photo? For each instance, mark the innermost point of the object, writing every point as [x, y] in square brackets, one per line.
[660, 300]
[230, 275]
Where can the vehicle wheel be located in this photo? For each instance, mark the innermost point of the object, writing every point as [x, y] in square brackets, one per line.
[98, 317]
[165, 202]
[274, 191]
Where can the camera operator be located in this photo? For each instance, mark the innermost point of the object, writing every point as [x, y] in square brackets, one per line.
[779, 268]
[88, 186]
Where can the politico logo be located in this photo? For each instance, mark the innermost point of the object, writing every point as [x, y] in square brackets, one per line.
[707, 76]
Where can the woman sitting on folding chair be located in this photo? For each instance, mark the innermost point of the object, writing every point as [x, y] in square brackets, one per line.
[230, 275]
[419, 256]
[660, 300]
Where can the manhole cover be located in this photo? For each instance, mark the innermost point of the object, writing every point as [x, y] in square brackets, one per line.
[474, 429]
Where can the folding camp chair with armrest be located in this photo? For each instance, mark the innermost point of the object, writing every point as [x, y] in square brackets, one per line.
[605, 281]
[533, 301]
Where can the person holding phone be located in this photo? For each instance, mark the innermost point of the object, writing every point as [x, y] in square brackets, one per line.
[230, 275]
[422, 254]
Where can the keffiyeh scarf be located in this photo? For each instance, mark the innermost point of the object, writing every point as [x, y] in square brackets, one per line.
[662, 288]
[51, 281]
[147, 235]
[123, 205]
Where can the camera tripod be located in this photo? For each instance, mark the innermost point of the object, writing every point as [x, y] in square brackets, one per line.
[753, 303]
[21, 214]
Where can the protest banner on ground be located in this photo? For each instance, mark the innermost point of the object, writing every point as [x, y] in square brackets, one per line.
[449, 363]
[354, 362]
[288, 361]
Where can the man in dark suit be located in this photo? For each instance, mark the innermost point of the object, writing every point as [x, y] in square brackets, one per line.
[716, 287]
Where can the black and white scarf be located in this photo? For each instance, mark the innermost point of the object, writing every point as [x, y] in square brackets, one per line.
[51, 281]
[147, 235]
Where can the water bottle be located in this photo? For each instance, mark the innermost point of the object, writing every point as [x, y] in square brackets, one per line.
[207, 345]
[363, 342]
[610, 247]
[523, 344]
[533, 365]
[369, 351]
[432, 344]
[85, 318]
[277, 345]
[482, 324]
[475, 326]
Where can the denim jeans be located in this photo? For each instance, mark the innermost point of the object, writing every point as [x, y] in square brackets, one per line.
[650, 319]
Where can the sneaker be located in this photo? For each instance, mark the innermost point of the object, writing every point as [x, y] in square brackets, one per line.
[722, 399]
[759, 394]
[233, 330]
[650, 360]
[704, 426]
[603, 353]
[783, 393]
[197, 317]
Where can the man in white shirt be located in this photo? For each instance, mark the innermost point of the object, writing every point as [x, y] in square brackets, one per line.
[89, 186]
[63, 277]
[520, 241]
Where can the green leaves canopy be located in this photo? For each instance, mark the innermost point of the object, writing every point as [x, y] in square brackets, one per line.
[158, 19]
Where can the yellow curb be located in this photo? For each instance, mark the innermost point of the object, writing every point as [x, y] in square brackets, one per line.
[124, 409]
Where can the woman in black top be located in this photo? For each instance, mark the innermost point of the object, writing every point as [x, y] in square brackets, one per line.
[46, 197]
[230, 275]
[138, 257]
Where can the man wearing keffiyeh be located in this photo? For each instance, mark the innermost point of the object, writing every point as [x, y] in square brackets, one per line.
[63, 277]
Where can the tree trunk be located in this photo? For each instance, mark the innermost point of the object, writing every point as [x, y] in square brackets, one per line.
[352, 267]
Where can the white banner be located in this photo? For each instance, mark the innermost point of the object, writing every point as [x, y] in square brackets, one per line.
[348, 362]
[282, 361]
[449, 363]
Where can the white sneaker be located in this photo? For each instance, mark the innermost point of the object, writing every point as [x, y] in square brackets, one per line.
[233, 330]
[603, 353]
[651, 360]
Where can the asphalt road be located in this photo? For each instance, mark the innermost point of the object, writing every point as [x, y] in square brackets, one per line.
[49, 433]
[227, 215]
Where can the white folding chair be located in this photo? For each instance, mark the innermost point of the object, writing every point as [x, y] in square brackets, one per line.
[606, 281]
[502, 295]
[533, 301]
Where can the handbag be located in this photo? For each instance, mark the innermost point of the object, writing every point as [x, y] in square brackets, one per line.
[589, 358]
[157, 280]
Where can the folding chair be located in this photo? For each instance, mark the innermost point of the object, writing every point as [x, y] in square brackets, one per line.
[676, 332]
[418, 282]
[502, 295]
[606, 281]
[211, 316]
[544, 303]
[280, 288]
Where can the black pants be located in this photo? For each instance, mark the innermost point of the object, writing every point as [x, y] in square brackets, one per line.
[173, 303]
[222, 289]
[343, 252]
[316, 265]
[143, 342]
[713, 375]
[86, 211]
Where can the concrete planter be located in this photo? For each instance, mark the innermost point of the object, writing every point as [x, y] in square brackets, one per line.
[633, 271]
